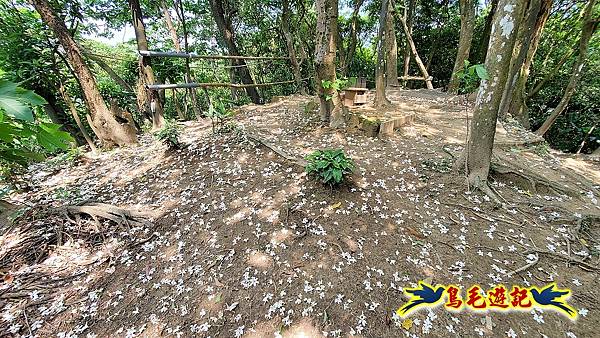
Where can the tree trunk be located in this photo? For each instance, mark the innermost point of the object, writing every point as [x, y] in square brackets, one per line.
[113, 75]
[353, 36]
[487, 30]
[289, 41]
[590, 24]
[226, 28]
[146, 64]
[380, 98]
[188, 72]
[408, 18]
[517, 106]
[467, 24]
[170, 25]
[391, 49]
[483, 126]
[109, 130]
[331, 107]
[413, 50]
[519, 54]
[73, 110]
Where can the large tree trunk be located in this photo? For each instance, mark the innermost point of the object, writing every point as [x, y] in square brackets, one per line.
[380, 98]
[109, 130]
[467, 24]
[331, 107]
[353, 36]
[188, 72]
[289, 41]
[517, 106]
[391, 49]
[170, 25]
[225, 26]
[408, 18]
[415, 54]
[483, 126]
[590, 24]
[145, 63]
[520, 51]
[487, 30]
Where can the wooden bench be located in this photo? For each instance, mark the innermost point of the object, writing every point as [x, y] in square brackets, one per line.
[356, 95]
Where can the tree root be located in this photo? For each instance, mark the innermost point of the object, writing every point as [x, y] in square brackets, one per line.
[525, 267]
[299, 162]
[106, 211]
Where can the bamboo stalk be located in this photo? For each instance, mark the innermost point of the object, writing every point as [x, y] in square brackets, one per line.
[216, 84]
[196, 56]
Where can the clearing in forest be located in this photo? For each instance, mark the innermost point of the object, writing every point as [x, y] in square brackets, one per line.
[228, 237]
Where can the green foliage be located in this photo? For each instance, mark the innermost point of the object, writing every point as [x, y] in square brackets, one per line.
[169, 135]
[218, 114]
[331, 166]
[470, 76]
[340, 83]
[573, 126]
[21, 139]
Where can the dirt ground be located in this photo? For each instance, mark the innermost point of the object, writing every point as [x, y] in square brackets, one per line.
[242, 243]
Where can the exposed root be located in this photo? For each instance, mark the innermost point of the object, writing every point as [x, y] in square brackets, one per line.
[525, 267]
[276, 150]
[62, 233]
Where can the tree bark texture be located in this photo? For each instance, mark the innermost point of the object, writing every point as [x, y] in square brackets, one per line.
[380, 98]
[497, 63]
[225, 26]
[467, 25]
[289, 41]
[109, 129]
[487, 30]
[188, 72]
[517, 106]
[408, 18]
[519, 54]
[331, 107]
[391, 49]
[145, 63]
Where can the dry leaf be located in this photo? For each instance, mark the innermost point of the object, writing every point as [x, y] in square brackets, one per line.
[8, 278]
[407, 324]
[335, 206]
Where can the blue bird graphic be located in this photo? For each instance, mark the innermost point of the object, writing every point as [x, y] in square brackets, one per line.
[425, 295]
[551, 297]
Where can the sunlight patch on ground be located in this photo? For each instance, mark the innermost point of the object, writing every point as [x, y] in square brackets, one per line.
[260, 260]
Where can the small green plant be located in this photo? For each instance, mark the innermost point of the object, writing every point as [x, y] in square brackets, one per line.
[330, 166]
[218, 115]
[338, 84]
[470, 76]
[169, 135]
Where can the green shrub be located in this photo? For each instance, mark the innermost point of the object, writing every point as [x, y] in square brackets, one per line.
[169, 135]
[470, 77]
[330, 166]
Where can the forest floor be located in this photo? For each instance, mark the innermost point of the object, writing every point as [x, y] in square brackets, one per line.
[240, 242]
